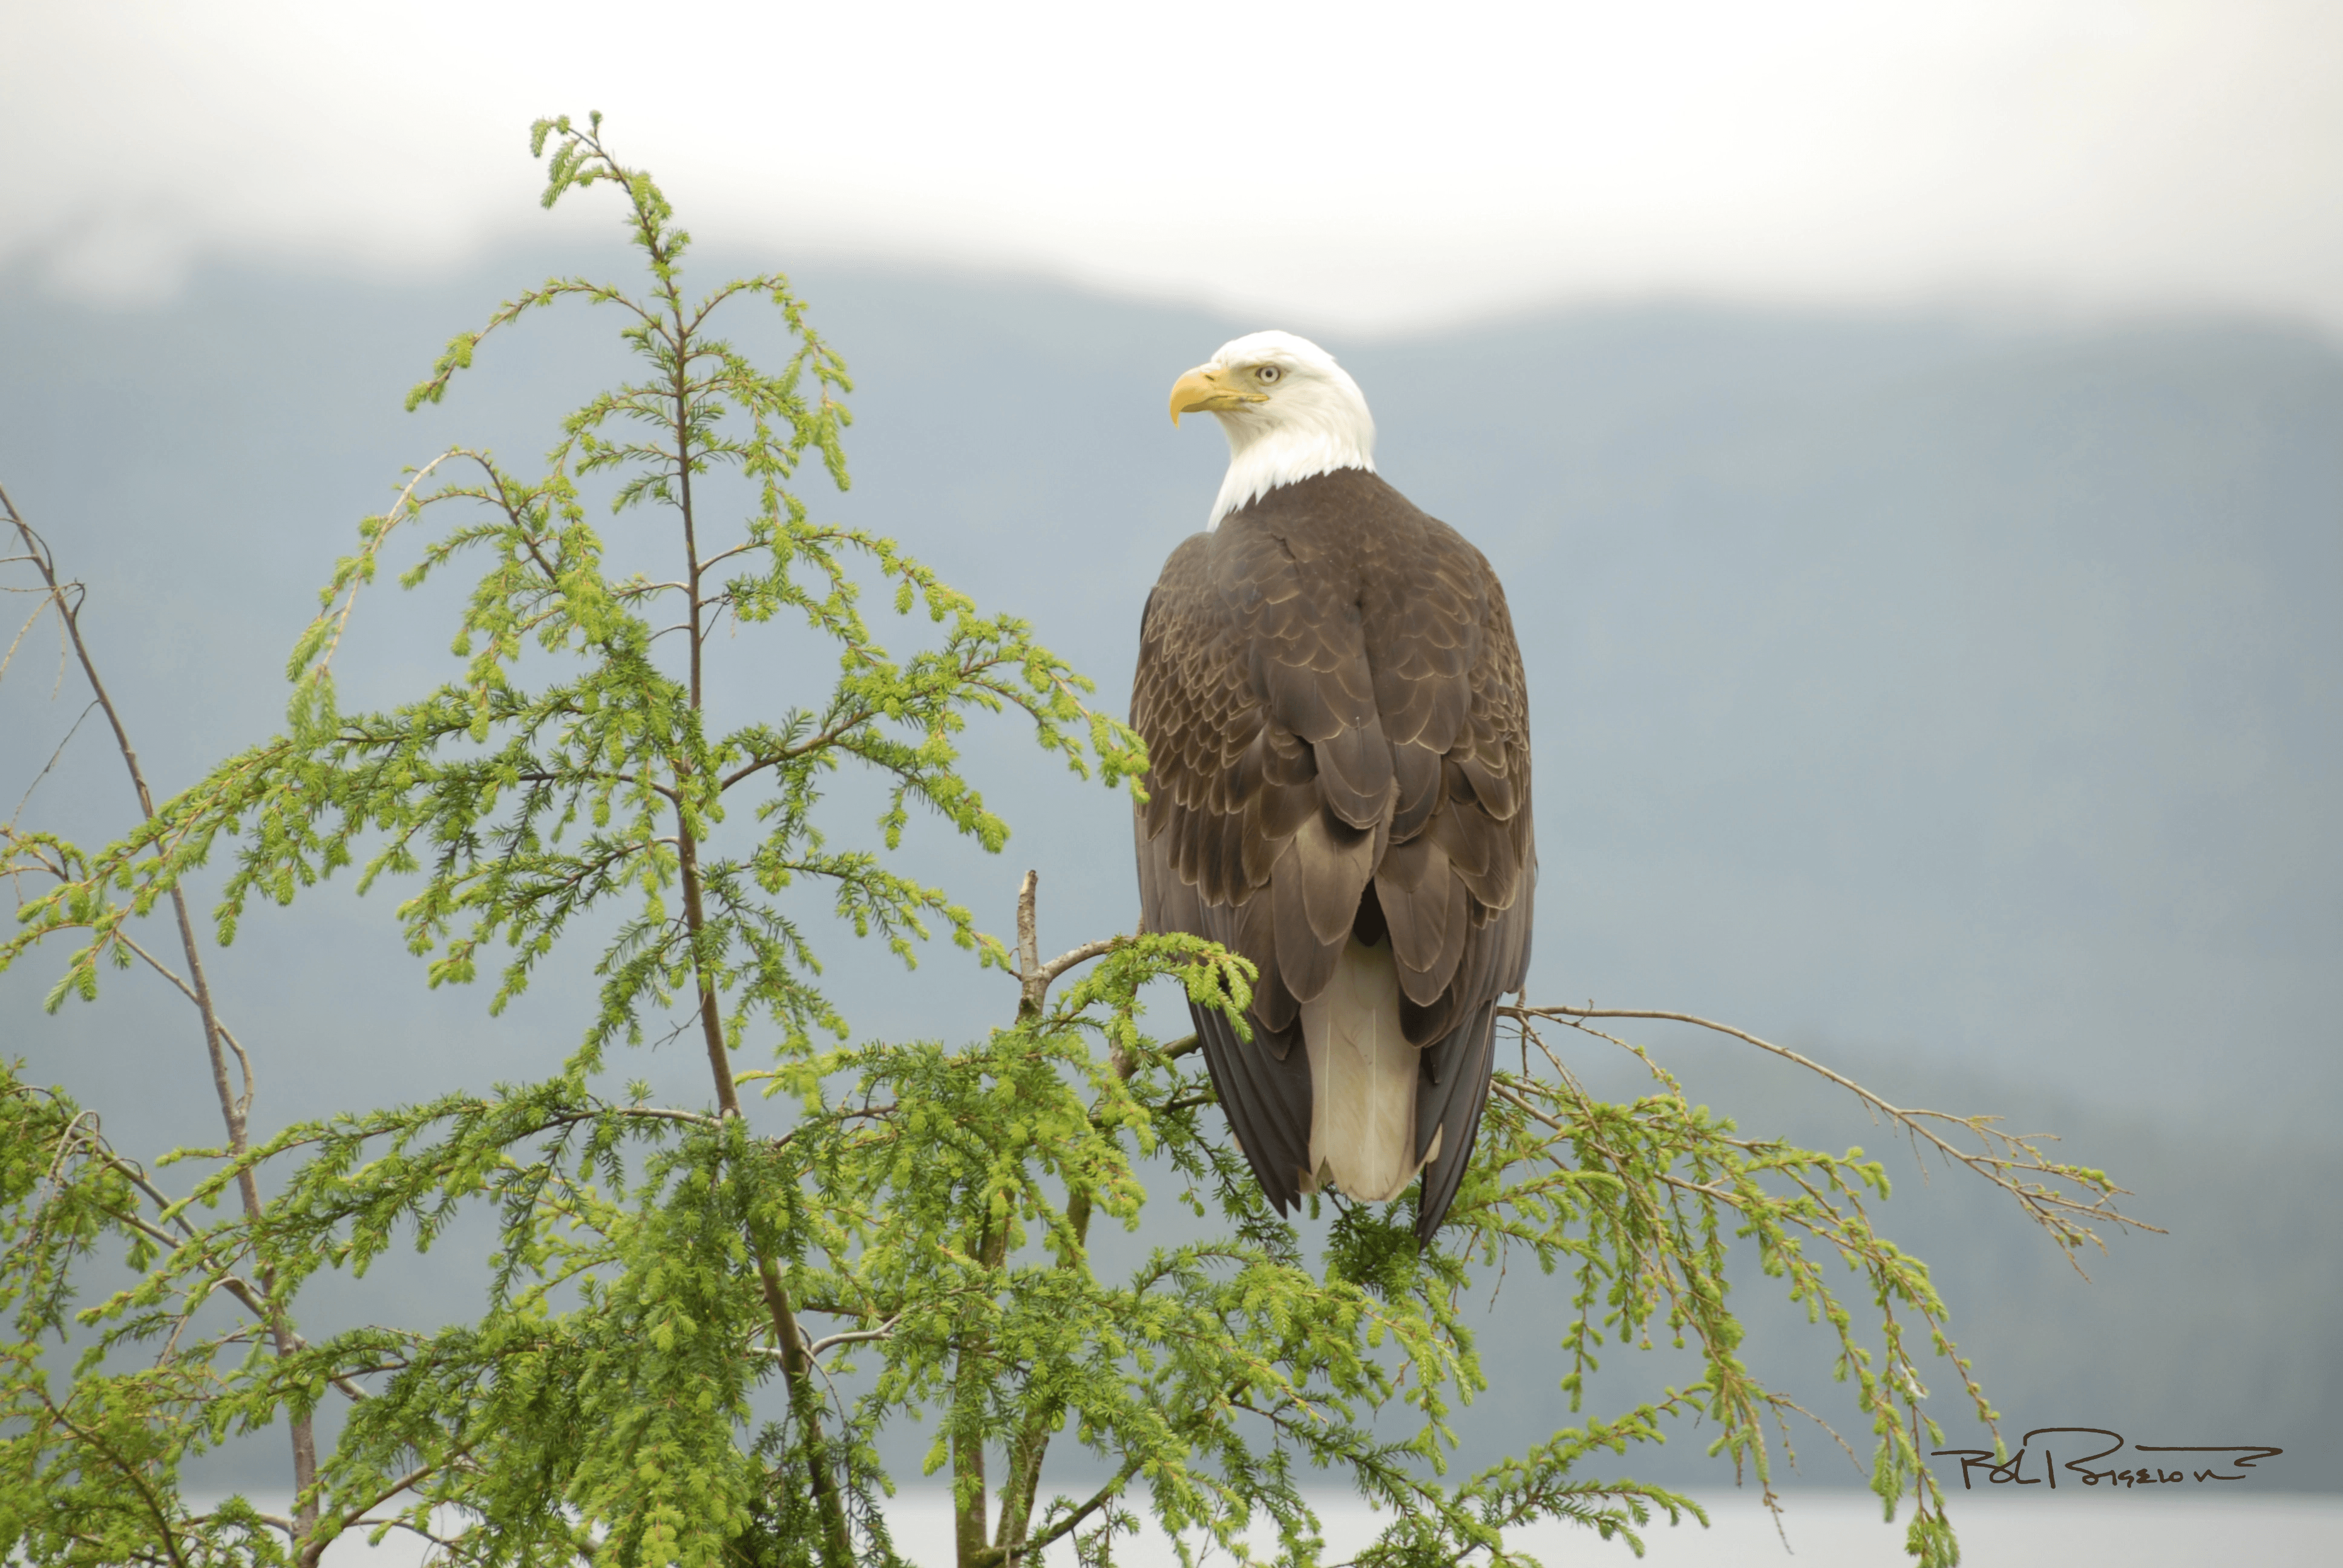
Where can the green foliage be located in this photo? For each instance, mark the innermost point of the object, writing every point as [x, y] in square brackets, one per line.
[929, 1207]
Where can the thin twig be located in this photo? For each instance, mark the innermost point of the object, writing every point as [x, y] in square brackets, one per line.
[390, 519]
[52, 762]
[244, 1101]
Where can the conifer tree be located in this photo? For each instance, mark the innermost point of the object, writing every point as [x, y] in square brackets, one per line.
[920, 1212]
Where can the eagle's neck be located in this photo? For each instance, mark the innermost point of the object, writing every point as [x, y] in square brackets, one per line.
[1307, 439]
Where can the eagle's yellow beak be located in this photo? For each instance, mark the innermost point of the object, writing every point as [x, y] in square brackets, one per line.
[1206, 390]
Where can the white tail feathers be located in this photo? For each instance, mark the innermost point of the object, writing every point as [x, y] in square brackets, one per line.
[1362, 1080]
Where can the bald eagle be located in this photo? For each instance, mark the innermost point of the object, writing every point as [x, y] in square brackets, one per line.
[1338, 738]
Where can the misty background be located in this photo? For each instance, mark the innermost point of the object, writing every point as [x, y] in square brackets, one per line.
[1951, 696]
[1360, 164]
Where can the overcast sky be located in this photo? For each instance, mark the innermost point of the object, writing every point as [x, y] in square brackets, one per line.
[1358, 166]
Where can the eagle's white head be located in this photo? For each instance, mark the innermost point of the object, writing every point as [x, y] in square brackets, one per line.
[1289, 412]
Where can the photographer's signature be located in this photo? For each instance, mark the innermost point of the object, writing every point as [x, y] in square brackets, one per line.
[2187, 1464]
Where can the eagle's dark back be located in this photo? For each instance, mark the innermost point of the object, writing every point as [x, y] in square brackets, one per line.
[1337, 735]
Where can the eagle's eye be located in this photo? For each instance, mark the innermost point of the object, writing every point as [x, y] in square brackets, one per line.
[1267, 374]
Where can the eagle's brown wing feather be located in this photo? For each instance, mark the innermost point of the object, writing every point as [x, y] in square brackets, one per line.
[1337, 735]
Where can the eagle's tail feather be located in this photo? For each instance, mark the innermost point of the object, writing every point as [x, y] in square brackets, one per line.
[1363, 1079]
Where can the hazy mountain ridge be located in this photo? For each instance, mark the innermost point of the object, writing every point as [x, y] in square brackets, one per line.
[1958, 702]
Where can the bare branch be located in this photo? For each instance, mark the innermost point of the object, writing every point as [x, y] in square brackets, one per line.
[232, 1107]
[1032, 985]
[2064, 1218]
[1081, 955]
[885, 1330]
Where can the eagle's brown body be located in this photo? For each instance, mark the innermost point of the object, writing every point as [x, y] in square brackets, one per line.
[1338, 733]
